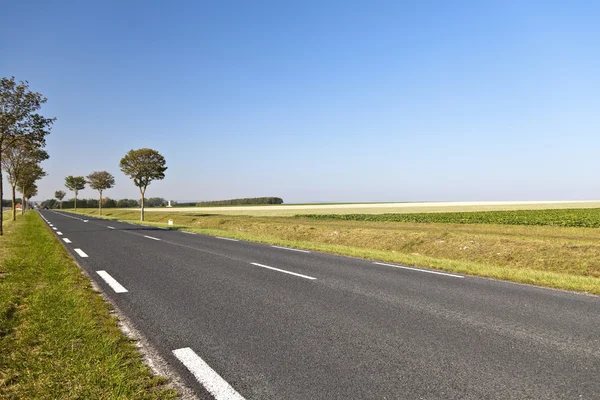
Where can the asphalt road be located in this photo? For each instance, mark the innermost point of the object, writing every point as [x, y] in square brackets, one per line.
[246, 320]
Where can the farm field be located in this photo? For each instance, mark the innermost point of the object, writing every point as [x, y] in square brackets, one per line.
[536, 251]
[379, 208]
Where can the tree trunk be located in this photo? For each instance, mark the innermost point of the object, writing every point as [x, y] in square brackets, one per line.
[142, 210]
[14, 203]
[61, 204]
[100, 204]
[23, 204]
[75, 201]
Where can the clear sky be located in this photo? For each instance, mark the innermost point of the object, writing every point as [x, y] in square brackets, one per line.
[319, 100]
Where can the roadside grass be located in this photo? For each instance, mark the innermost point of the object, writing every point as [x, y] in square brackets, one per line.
[558, 257]
[58, 339]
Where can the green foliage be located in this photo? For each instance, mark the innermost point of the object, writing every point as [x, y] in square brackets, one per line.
[247, 201]
[143, 166]
[75, 183]
[100, 180]
[155, 202]
[127, 203]
[578, 217]
[59, 195]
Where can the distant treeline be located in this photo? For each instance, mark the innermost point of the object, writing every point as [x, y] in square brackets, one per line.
[106, 203]
[8, 203]
[237, 202]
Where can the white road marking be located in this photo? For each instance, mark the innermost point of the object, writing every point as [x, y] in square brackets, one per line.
[284, 271]
[289, 248]
[224, 238]
[54, 228]
[208, 377]
[66, 240]
[110, 227]
[81, 253]
[50, 225]
[116, 286]
[189, 233]
[59, 233]
[419, 270]
[85, 220]
[150, 237]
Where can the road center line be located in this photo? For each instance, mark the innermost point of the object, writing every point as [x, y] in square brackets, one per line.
[116, 286]
[150, 237]
[208, 377]
[289, 248]
[81, 253]
[419, 270]
[225, 238]
[110, 227]
[284, 271]
[66, 240]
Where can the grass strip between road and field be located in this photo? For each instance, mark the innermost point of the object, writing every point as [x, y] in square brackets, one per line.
[58, 339]
[558, 257]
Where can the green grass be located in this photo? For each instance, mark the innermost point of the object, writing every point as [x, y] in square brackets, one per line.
[558, 257]
[586, 217]
[57, 337]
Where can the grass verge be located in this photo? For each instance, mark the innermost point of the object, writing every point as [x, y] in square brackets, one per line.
[558, 257]
[57, 337]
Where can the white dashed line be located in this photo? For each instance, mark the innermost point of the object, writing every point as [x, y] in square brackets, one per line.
[59, 233]
[150, 237]
[289, 248]
[419, 270]
[66, 240]
[81, 253]
[224, 238]
[284, 271]
[212, 381]
[54, 228]
[110, 227]
[116, 286]
[189, 233]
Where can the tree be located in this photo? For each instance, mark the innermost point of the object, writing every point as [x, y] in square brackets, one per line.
[143, 166]
[75, 184]
[16, 160]
[19, 120]
[60, 195]
[100, 181]
[31, 173]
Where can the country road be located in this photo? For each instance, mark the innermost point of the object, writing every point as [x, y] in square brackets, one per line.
[246, 320]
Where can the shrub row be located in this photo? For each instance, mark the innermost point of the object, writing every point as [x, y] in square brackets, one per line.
[235, 202]
[580, 217]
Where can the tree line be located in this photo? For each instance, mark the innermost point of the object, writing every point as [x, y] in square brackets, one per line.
[23, 134]
[246, 201]
[58, 203]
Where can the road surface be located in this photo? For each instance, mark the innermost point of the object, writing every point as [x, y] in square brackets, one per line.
[242, 320]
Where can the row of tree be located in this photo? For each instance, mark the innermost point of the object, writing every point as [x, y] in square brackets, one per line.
[246, 201]
[143, 166]
[107, 202]
[23, 134]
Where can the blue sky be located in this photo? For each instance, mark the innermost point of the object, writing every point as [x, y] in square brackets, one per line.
[319, 101]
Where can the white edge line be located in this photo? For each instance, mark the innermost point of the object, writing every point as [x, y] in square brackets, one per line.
[419, 270]
[284, 271]
[226, 238]
[289, 248]
[110, 227]
[150, 237]
[189, 233]
[55, 228]
[67, 240]
[81, 253]
[116, 286]
[59, 233]
[208, 377]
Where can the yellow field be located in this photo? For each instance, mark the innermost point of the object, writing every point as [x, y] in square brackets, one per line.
[380, 208]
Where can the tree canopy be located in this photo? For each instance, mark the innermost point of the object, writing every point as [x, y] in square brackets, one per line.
[75, 184]
[100, 181]
[143, 166]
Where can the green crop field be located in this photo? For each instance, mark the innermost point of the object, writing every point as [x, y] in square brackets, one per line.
[583, 217]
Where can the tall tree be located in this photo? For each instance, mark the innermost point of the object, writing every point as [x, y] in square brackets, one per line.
[100, 181]
[31, 173]
[19, 119]
[60, 195]
[16, 160]
[143, 166]
[75, 184]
